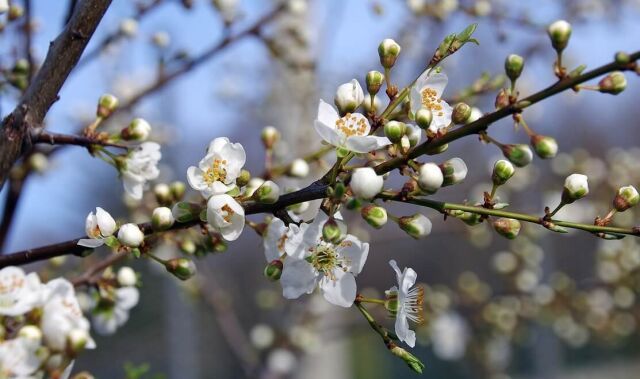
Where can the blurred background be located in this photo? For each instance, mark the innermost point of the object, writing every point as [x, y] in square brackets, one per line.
[542, 306]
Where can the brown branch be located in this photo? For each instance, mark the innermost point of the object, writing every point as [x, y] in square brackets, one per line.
[318, 189]
[42, 136]
[88, 277]
[10, 206]
[64, 53]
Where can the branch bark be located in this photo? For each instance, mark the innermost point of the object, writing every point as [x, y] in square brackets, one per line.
[64, 53]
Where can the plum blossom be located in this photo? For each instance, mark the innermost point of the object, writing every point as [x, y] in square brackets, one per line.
[279, 238]
[217, 171]
[140, 166]
[405, 303]
[111, 314]
[330, 266]
[98, 226]
[19, 293]
[225, 215]
[350, 132]
[18, 359]
[427, 93]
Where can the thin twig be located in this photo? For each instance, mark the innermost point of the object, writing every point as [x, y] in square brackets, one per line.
[70, 139]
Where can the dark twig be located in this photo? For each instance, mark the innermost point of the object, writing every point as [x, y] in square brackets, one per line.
[42, 136]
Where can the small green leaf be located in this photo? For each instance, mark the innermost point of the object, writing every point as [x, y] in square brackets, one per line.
[612, 236]
[465, 35]
[136, 252]
[111, 241]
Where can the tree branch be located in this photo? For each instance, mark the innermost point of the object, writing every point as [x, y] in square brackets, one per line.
[64, 53]
[69, 139]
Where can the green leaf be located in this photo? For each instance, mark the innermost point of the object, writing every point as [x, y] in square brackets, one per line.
[465, 35]
[136, 252]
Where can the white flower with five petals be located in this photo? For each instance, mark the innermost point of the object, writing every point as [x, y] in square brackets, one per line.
[427, 93]
[226, 216]
[279, 239]
[331, 267]
[19, 293]
[217, 171]
[405, 303]
[140, 166]
[350, 132]
[98, 226]
[18, 359]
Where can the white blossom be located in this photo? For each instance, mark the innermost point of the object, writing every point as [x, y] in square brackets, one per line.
[427, 93]
[107, 319]
[225, 215]
[576, 186]
[141, 165]
[218, 170]
[430, 177]
[408, 303]
[98, 226]
[279, 238]
[18, 359]
[19, 293]
[331, 267]
[365, 183]
[130, 235]
[350, 132]
[299, 168]
[349, 96]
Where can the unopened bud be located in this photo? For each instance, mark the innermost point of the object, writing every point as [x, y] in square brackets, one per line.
[365, 183]
[331, 231]
[439, 150]
[576, 186]
[430, 177]
[405, 144]
[38, 162]
[468, 218]
[77, 340]
[626, 198]
[503, 170]
[348, 97]
[622, 58]
[559, 33]
[267, 193]
[243, 178]
[21, 67]
[518, 154]
[414, 134]
[161, 39]
[32, 334]
[162, 218]
[454, 171]
[273, 270]
[417, 226]
[129, 27]
[138, 130]
[126, 277]
[545, 147]
[502, 99]
[299, 168]
[423, 118]
[461, 113]
[270, 136]
[476, 114]
[187, 246]
[614, 83]
[15, 12]
[414, 363]
[394, 130]
[162, 193]
[388, 50]
[507, 227]
[513, 66]
[178, 189]
[374, 81]
[181, 268]
[130, 235]
[106, 105]
[374, 215]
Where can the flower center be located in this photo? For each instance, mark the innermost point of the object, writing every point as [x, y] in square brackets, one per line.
[411, 304]
[352, 125]
[217, 171]
[430, 101]
[227, 213]
[325, 259]
[11, 284]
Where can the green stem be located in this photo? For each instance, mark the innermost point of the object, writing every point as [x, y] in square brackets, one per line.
[370, 300]
[373, 323]
[494, 188]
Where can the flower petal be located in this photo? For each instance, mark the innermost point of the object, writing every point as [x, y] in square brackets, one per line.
[106, 223]
[90, 242]
[327, 114]
[298, 277]
[402, 330]
[329, 134]
[365, 144]
[355, 252]
[217, 144]
[341, 290]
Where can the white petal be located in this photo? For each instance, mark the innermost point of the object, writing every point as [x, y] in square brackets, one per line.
[90, 242]
[196, 179]
[273, 239]
[409, 277]
[341, 291]
[438, 82]
[442, 121]
[329, 134]
[106, 223]
[236, 157]
[133, 185]
[127, 297]
[403, 332]
[298, 277]
[217, 144]
[327, 114]
[355, 252]
[365, 144]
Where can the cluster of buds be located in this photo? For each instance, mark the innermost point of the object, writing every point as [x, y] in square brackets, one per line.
[167, 194]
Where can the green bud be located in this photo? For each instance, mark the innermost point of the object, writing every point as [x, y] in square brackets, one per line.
[507, 227]
[622, 57]
[15, 12]
[267, 193]
[243, 179]
[374, 81]
[468, 218]
[503, 170]
[187, 246]
[162, 218]
[417, 226]
[423, 118]
[518, 154]
[178, 189]
[545, 147]
[76, 341]
[460, 113]
[138, 130]
[388, 50]
[614, 83]
[273, 270]
[414, 363]
[181, 268]
[394, 130]
[502, 99]
[353, 203]
[405, 144]
[106, 105]
[513, 66]
[391, 303]
[454, 171]
[439, 150]
[626, 198]
[185, 212]
[21, 67]
[374, 215]
[576, 186]
[269, 136]
[331, 231]
[559, 33]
